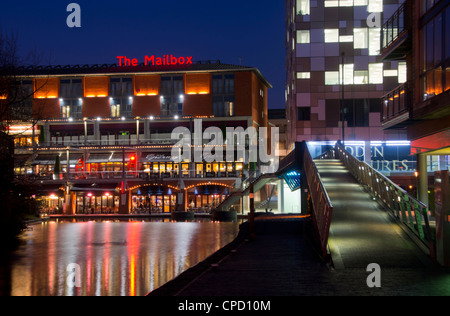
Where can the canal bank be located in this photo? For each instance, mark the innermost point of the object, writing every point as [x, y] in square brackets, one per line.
[282, 260]
[275, 239]
[169, 216]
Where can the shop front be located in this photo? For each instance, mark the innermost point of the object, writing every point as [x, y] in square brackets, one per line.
[153, 199]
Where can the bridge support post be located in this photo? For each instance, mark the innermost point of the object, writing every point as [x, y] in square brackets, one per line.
[304, 201]
[422, 187]
[251, 214]
[442, 203]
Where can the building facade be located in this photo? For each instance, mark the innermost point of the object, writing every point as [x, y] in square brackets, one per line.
[336, 78]
[99, 138]
[418, 34]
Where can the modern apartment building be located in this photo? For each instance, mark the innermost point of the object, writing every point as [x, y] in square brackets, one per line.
[97, 139]
[336, 78]
[418, 33]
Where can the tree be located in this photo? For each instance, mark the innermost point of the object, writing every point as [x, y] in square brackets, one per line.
[16, 194]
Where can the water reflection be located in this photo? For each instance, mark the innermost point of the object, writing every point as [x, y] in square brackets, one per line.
[115, 258]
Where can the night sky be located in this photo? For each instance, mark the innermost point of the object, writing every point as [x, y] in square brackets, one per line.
[247, 32]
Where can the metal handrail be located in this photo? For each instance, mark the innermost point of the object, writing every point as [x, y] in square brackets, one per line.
[405, 208]
[393, 27]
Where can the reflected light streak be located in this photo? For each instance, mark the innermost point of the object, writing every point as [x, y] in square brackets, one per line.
[118, 258]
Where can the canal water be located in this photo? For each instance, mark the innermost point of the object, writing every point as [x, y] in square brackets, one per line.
[108, 258]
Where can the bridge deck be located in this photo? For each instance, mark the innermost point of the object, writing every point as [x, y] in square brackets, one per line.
[361, 231]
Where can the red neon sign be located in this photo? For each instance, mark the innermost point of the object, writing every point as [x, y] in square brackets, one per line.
[165, 60]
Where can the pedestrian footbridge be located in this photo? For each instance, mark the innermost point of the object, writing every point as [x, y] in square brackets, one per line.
[359, 215]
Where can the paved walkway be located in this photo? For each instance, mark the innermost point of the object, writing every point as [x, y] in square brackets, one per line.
[282, 261]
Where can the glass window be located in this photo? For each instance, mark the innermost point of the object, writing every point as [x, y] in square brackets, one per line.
[361, 77]
[303, 7]
[361, 112]
[447, 78]
[438, 80]
[447, 32]
[115, 110]
[360, 35]
[331, 35]
[331, 77]
[303, 37]
[376, 73]
[430, 45]
[390, 73]
[331, 3]
[374, 41]
[223, 106]
[438, 39]
[346, 38]
[346, 3]
[303, 75]
[304, 114]
[402, 72]
[348, 73]
[375, 6]
[223, 84]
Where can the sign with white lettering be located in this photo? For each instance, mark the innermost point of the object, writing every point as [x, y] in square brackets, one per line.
[386, 158]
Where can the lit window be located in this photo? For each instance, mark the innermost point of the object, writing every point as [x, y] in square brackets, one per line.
[65, 111]
[390, 73]
[331, 3]
[331, 35]
[346, 38]
[339, 3]
[360, 36]
[376, 73]
[374, 41]
[360, 2]
[331, 77]
[303, 7]
[375, 6]
[303, 75]
[348, 73]
[115, 110]
[402, 72]
[361, 77]
[303, 37]
[346, 3]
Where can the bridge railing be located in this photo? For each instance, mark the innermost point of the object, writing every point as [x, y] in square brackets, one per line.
[408, 210]
[321, 204]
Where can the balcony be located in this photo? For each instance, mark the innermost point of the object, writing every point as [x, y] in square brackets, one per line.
[396, 107]
[396, 41]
